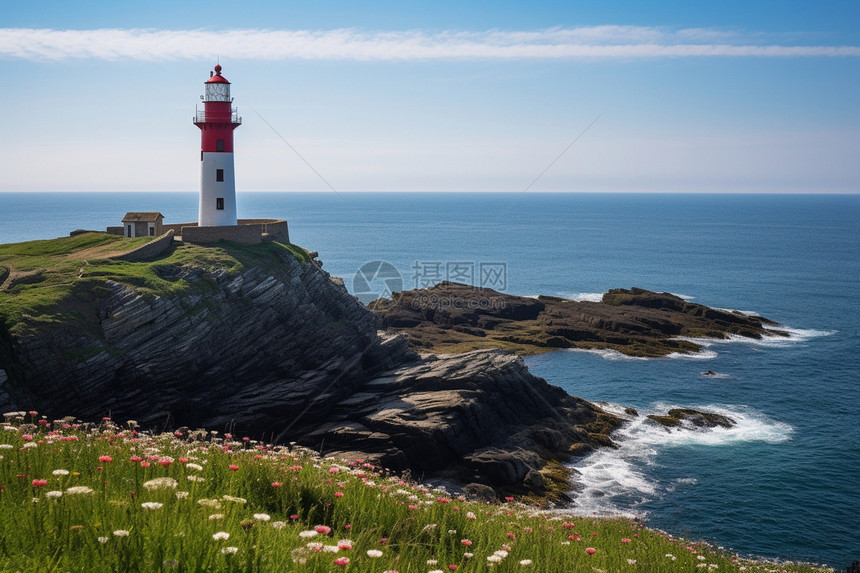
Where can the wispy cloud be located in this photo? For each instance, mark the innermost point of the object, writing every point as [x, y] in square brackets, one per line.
[595, 42]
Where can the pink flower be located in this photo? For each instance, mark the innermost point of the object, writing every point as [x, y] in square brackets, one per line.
[509, 498]
[40, 482]
[466, 542]
[232, 467]
[324, 529]
[294, 517]
[135, 459]
[33, 413]
[342, 561]
[338, 494]
[452, 567]
[26, 437]
[511, 535]
[590, 550]
[333, 470]
[625, 540]
[276, 484]
[183, 460]
[144, 464]
[165, 462]
[105, 459]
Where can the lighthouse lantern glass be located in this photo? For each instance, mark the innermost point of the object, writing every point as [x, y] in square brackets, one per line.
[217, 92]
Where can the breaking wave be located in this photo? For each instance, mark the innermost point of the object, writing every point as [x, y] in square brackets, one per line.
[616, 482]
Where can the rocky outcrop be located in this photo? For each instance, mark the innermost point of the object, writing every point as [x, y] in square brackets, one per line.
[259, 340]
[480, 416]
[451, 317]
[692, 419]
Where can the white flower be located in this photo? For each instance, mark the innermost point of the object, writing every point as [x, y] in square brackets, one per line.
[435, 571]
[197, 479]
[432, 562]
[631, 561]
[215, 516]
[468, 555]
[331, 548]
[700, 557]
[53, 494]
[181, 495]
[104, 539]
[221, 536]
[160, 483]
[494, 558]
[151, 505]
[308, 534]
[229, 550]
[374, 553]
[60, 472]
[213, 503]
[279, 524]
[30, 445]
[470, 515]
[501, 553]
[80, 490]
[240, 500]
[193, 466]
[526, 562]
[262, 516]
[121, 533]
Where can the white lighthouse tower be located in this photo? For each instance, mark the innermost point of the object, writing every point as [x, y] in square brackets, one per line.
[217, 181]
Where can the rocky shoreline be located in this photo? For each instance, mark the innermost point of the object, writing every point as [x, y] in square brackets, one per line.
[452, 317]
[260, 341]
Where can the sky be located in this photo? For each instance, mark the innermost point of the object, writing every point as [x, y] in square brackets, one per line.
[568, 96]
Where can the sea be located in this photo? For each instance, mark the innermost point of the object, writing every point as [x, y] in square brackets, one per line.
[783, 483]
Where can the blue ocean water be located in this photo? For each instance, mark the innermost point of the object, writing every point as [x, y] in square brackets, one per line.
[782, 484]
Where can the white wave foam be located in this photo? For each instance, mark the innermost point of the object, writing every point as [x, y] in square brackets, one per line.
[683, 296]
[586, 296]
[607, 353]
[701, 355]
[799, 334]
[736, 311]
[616, 482]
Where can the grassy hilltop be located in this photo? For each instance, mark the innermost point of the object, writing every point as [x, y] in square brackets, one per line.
[42, 280]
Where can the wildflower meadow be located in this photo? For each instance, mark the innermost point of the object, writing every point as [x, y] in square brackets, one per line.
[106, 498]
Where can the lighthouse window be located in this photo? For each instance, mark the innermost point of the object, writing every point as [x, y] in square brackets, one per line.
[219, 145]
[219, 175]
[219, 203]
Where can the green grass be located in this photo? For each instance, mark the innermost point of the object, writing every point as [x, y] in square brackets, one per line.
[52, 280]
[237, 505]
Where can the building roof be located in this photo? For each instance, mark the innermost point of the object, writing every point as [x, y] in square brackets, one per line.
[140, 217]
[217, 78]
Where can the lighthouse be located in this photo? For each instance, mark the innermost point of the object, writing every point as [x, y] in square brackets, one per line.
[217, 121]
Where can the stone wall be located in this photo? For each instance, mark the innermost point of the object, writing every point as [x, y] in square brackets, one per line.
[114, 231]
[247, 231]
[150, 250]
[235, 233]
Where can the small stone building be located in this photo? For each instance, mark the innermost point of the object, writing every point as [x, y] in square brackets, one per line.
[136, 224]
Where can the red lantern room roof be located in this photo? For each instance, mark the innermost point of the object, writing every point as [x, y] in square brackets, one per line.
[217, 78]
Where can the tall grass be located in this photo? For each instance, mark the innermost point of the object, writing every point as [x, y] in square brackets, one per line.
[99, 498]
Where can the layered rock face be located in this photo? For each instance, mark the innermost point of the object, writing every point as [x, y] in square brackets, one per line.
[479, 416]
[278, 350]
[252, 349]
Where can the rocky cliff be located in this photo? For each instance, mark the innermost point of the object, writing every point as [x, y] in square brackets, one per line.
[259, 339]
